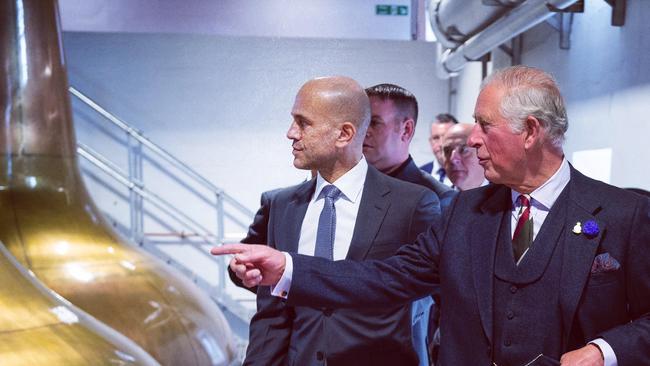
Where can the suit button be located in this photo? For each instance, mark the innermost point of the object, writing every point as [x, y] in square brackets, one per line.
[320, 356]
[507, 343]
[489, 351]
[513, 289]
[510, 314]
[327, 312]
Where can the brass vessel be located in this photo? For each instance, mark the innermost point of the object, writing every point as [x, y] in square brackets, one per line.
[50, 224]
[37, 328]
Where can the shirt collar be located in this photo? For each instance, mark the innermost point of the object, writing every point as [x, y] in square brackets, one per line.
[547, 193]
[350, 184]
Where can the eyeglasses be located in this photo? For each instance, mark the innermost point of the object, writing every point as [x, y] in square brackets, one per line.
[463, 150]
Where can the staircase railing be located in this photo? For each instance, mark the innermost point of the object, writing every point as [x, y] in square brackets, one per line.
[145, 205]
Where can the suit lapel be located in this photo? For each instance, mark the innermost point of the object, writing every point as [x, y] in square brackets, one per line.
[372, 210]
[579, 249]
[483, 245]
[291, 222]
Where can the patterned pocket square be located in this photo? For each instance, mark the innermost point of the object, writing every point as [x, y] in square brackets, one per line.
[604, 263]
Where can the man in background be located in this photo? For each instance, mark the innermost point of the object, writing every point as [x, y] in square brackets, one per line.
[438, 128]
[461, 162]
[386, 147]
[392, 127]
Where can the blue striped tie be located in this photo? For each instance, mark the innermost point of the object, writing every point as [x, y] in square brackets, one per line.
[327, 223]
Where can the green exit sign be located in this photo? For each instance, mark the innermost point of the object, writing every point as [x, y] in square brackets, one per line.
[391, 9]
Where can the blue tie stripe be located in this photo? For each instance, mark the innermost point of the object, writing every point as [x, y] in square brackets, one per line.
[327, 223]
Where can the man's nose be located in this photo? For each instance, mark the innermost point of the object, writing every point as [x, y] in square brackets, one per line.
[473, 140]
[292, 133]
[455, 157]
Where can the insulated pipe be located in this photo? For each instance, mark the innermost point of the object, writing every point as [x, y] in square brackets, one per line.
[455, 21]
[515, 22]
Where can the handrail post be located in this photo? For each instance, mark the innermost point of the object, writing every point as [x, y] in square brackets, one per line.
[220, 237]
[135, 200]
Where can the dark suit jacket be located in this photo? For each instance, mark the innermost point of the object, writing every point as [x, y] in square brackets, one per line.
[459, 254]
[391, 212]
[409, 172]
[428, 167]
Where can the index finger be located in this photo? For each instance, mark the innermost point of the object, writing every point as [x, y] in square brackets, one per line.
[229, 249]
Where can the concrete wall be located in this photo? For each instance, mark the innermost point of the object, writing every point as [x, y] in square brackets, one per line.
[605, 79]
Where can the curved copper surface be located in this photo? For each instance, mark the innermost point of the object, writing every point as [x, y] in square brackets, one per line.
[36, 328]
[50, 224]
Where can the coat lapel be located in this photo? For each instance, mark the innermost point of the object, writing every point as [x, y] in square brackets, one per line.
[579, 249]
[291, 221]
[372, 210]
[483, 245]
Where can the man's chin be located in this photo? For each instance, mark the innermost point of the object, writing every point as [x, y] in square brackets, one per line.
[298, 164]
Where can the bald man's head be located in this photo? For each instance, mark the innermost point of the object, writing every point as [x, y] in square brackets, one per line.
[460, 130]
[340, 98]
[330, 119]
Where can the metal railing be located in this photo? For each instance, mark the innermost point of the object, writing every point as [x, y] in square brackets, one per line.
[141, 150]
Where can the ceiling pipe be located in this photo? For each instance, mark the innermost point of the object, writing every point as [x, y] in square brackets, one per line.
[518, 20]
[453, 22]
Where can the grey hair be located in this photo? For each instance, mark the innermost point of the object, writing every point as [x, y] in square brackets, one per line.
[531, 92]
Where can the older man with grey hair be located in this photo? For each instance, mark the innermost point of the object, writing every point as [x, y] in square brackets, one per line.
[543, 266]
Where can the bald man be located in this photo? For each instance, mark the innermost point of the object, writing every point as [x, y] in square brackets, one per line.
[348, 211]
[461, 162]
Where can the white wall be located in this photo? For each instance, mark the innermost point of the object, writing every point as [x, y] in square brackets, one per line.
[605, 79]
[269, 18]
[222, 104]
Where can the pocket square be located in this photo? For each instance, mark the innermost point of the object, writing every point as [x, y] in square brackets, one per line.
[604, 263]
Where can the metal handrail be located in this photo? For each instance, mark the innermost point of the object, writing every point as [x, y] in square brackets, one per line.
[159, 150]
[190, 180]
[116, 173]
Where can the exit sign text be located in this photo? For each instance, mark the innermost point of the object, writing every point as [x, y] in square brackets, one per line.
[391, 9]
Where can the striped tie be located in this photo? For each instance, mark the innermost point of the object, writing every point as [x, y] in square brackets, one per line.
[327, 223]
[523, 236]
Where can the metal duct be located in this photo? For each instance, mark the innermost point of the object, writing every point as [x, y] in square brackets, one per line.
[489, 32]
[455, 21]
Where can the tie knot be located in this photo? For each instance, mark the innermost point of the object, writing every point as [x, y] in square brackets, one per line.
[330, 191]
[524, 200]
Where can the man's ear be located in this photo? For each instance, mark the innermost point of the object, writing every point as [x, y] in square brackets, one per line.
[346, 135]
[532, 131]
[408, 130]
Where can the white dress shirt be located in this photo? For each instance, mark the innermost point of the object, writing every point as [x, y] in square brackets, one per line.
[542, 199]
[434, 173]
[347, 206]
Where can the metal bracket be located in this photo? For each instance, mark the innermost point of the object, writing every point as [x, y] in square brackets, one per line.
[618, 11]
[505, 3]
[577, 7]
[485, 60]
[514, 50]
[563, 23]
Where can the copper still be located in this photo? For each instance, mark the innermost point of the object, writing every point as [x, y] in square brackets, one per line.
[50, 224]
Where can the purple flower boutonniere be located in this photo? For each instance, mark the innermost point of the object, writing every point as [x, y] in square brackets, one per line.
[590, 228]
